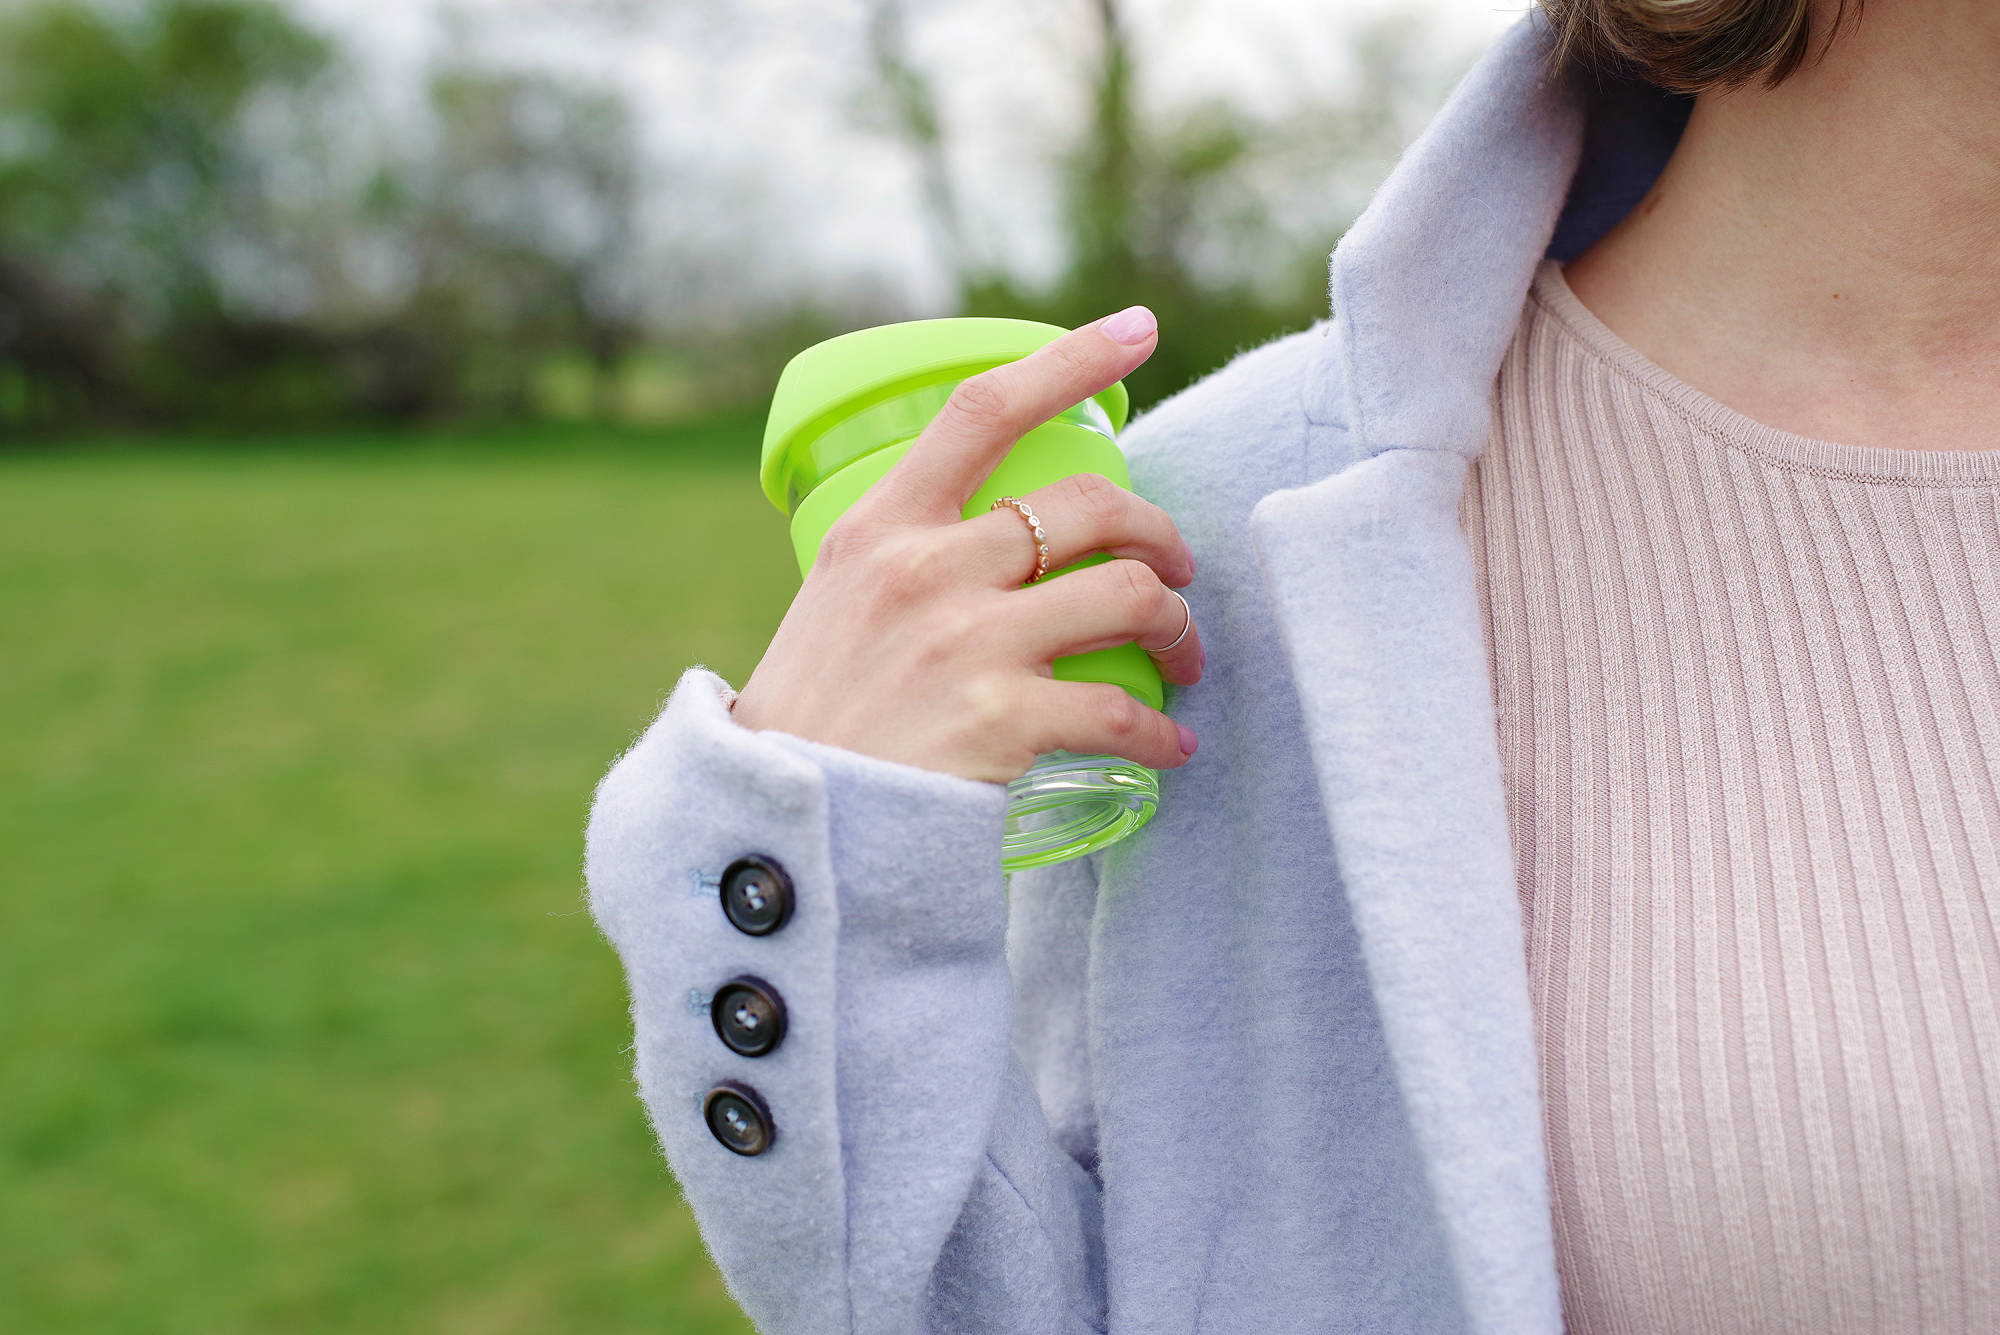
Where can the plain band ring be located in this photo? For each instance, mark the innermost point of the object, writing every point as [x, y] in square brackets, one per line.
[1185, 626]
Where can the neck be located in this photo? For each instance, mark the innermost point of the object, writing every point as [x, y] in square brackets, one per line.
[1824, 256]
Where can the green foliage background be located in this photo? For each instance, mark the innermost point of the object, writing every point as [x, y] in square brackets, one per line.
[205, 222]
[306, 1028]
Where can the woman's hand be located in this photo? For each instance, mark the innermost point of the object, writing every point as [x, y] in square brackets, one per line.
[912, 638]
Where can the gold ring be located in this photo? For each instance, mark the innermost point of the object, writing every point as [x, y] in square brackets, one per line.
[1041, 538]
[1185, 626]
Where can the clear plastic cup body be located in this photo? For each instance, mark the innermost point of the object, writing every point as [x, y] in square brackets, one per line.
[1069, 805]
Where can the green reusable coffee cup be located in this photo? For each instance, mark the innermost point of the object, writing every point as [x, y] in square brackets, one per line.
[845, 410]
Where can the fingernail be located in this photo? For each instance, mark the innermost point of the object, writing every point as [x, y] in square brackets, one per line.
[1134, 324]
[1187, 739]
[1190, 552]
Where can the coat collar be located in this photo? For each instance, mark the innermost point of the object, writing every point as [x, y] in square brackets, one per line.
[1371, 582]
[1523, 161]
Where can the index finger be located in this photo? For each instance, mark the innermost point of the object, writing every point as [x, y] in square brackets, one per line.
[988, 412]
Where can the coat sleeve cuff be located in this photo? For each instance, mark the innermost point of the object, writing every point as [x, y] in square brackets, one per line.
[895, 878]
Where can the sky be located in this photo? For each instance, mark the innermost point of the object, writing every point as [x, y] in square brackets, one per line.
[750, 108]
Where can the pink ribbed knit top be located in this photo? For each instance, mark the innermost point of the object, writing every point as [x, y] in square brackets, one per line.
[1748, 698]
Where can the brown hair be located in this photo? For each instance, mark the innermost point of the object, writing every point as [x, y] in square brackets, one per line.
[1691, 46]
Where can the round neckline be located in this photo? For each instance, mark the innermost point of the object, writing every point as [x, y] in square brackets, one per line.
[1863, 463]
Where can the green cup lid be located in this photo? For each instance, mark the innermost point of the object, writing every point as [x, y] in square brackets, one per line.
[832, 381]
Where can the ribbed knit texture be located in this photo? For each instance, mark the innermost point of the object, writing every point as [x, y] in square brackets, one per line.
[1749, 724]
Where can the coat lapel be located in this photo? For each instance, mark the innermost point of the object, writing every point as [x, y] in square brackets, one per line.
[1369, 578]
[1371, 581]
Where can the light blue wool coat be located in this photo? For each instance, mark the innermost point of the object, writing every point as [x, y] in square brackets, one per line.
[1268, 1064]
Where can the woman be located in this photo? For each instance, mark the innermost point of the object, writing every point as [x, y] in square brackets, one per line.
[1503, 609]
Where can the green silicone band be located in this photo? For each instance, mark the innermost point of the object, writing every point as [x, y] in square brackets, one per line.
[1055, 449]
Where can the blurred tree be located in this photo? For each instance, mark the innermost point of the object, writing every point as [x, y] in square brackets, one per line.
[905, 98]
[527, 227]
[1181, 211]
[132, 185]
[1136, 218]
[196, 224]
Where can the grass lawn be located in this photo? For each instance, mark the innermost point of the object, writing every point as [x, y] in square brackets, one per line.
[304, 1026]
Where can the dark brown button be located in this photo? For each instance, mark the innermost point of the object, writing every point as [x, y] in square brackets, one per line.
[756, 895]
[749, 1016]
[738, 1118]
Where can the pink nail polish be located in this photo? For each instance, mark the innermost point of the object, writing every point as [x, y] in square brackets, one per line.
[1134, 324]
[1190, 552]
[1188, 742]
